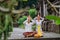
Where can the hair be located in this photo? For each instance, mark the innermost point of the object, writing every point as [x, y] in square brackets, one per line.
[26, 13]
[38, 14]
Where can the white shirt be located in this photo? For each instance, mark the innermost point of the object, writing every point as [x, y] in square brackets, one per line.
[28, 26]
[38, 22]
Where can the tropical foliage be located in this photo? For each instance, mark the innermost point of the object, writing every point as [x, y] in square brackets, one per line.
[6, 18]
[5, 25]
[33, 12]
[55, 18]
[22, 19]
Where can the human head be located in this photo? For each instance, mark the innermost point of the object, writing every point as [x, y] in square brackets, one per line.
[38, 17]
[29, 18]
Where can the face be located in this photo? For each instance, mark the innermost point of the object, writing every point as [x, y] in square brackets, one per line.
[29, 18]
[38, 17]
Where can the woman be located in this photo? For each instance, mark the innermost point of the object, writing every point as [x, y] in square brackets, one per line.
[38, 21]
[28, 27]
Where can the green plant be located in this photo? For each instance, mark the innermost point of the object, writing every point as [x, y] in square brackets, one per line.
[22, 26]
[55, 18]
[6, 19]
[21, 20]
[5, 25]
[32, 12]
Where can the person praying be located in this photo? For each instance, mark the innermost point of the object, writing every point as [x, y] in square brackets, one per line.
[38, 22]
[28, 27]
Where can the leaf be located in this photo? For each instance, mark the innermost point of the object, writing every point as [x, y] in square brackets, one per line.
[57, 22]
[52, 17]
[32, 12]
[55, 18]
[21, 20]
[24, 18]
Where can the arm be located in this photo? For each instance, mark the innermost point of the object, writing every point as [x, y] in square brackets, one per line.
[42, 18]
[33, 22]
[25, 22]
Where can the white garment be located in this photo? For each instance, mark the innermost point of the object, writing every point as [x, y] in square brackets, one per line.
[28, 26]
[39, 23]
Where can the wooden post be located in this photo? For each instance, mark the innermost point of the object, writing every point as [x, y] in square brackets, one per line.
[44, 8]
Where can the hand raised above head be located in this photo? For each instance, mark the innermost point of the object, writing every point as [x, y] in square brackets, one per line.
[29, 18]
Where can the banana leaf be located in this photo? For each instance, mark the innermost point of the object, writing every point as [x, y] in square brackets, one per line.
[57, 22]
[55, 18]
[51, 17]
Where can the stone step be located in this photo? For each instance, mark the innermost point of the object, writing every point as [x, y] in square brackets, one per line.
[17, 34]
[36, 39]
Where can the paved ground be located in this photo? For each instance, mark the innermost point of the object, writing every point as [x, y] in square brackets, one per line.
[18, 34]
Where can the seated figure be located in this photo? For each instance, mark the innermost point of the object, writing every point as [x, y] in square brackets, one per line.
[28, 27]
